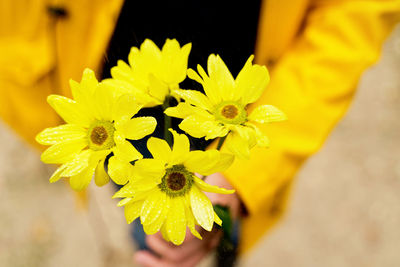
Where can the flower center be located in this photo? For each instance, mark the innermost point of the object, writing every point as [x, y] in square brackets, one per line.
[230, 112]
[177, 181]
[101, 135]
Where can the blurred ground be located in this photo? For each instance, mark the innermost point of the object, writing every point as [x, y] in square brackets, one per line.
[345, 207]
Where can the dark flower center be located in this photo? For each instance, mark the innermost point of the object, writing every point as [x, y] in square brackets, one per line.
[176, 181]
[229, 111]
[99, 135]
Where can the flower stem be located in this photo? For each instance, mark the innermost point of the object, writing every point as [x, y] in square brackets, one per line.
[167, 122]
[221, 142]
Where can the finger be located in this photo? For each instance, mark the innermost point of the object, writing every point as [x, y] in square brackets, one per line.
[171, 252]
[195, 259]
[214, 240]
[147, 259]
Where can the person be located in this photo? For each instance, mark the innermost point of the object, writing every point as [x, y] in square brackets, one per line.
[316, 51]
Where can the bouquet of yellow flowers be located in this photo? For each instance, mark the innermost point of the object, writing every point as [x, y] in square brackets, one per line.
[164, 191]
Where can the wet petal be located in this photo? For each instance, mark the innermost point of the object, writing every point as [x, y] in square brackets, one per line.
[62, 133]
[155, 226]
[220, 74]
[237, 145]
[195, 98]
[137, 128]
[251, 82]
[149, 169]
[82, 180]
[267, 113]
[159, 149]
[180, 148]
[119, 171]
[63, 152]
[208, 162]
[78, 164]
[176, 221]
[152, 207]
[211, 188]
[132, 210]
[69, 110]
[202, 208]
[191, 222]
[57, 174]
[100, 176]
[125, 151]
[125, 108]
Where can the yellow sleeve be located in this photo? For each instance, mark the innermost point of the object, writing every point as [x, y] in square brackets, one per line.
[313, 83]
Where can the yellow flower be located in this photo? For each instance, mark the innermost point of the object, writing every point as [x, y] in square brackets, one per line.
[98, 123]
[222, 110]
[165, 193]
[151, 74]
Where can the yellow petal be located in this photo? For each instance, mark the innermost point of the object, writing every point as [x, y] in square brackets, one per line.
[210, 87]
[267, 113]
[132, 211]
[82, 180]
[127, 190]
[125, 108]
[246, 133]
[174, 61]
[191, 222]
[119, 171]
[201, 161]
[194, 76]
[155, 226]
[125, 201]
[237, 145]
[137, 128]
[100, 176]
[213, 129]
[83, 91]
[159, 149]
[180, 148]
[182, 110]
[104, 100]
[69, 110]
[157, 88]
[251, 82]
[164, 232]
[217, 220]
[193, 125]
[149, 169]
[220, 74]
[211, 188]
[57, 174]
[152, 207]
[176, 221]
[195, 98]
[202, 208]
[78, 164]
[208, 162]
[262, 140]
[62, 133]
[63, 152]
[125, 150]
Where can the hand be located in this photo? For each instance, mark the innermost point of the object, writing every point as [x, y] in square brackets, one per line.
[192, 250]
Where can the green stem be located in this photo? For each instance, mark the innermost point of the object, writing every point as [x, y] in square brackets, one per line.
[167, 122]
[221, 142]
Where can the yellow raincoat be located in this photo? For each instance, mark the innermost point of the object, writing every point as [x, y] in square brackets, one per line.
[316, 49]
